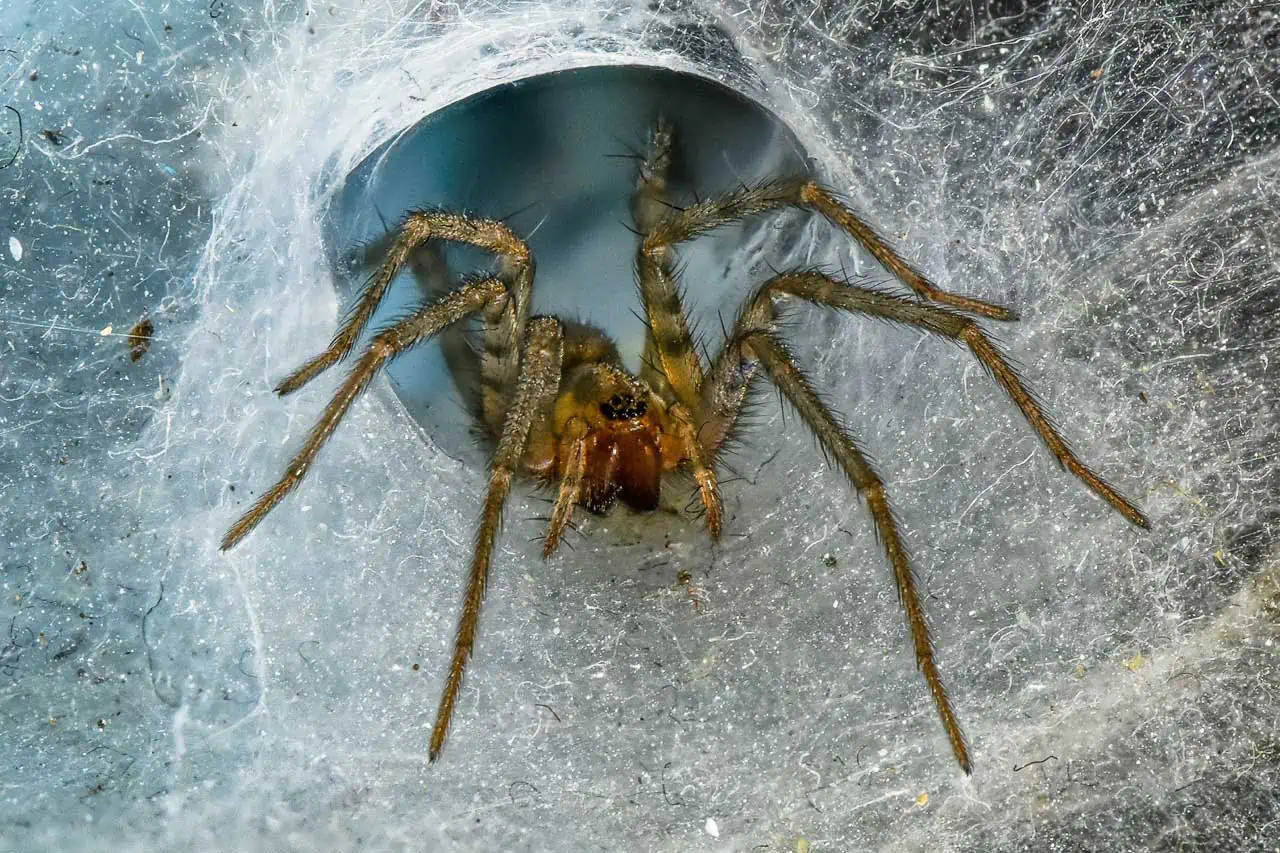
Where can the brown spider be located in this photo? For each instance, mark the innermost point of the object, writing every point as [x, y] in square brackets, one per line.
[563, 410]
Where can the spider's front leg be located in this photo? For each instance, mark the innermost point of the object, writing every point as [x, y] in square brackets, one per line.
[535, 390]
[670, 363]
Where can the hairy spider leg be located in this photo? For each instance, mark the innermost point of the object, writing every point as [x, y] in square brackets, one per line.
[573, 449]
[754, 342]
[417, 229]
[786, 374]
[425, 323]
[535, 391]
[805, 193]
[825, 290]
[701, 464]
[434, 277]
[670, 364]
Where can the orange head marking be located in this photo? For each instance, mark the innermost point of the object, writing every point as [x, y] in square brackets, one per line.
[622, 464]
[622, 456]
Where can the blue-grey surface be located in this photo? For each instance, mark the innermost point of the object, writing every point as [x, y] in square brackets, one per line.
[555, 156]
[1112, 172]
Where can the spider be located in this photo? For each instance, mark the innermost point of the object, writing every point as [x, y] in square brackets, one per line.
[561, 409]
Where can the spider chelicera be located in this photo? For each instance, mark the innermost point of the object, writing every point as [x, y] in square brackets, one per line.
[561, 409]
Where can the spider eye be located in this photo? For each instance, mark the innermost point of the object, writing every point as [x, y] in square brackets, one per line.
[623, 407]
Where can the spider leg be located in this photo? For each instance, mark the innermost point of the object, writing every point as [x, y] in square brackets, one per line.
[416, 230]
[409, 332]
[763, 345]
[682, 225]
[434, 278]
[649, 204]
[538, 384]
[825, 290]
[573, 447]
[754, 343]
[670, 362]
[699, 460]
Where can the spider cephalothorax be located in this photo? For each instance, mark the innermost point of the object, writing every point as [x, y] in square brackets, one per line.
[621, 434]
[560, 407]
[606, 437]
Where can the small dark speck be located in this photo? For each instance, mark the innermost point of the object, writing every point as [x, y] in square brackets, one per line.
[1142, 395]
[829, 560]
[231, 486]
[139, 337]
[416, 667]
[33, 76]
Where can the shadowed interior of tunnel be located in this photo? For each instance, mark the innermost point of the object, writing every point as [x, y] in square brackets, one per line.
[556, 157]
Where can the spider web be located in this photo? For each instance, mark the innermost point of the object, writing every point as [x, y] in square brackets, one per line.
[1110, 171]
